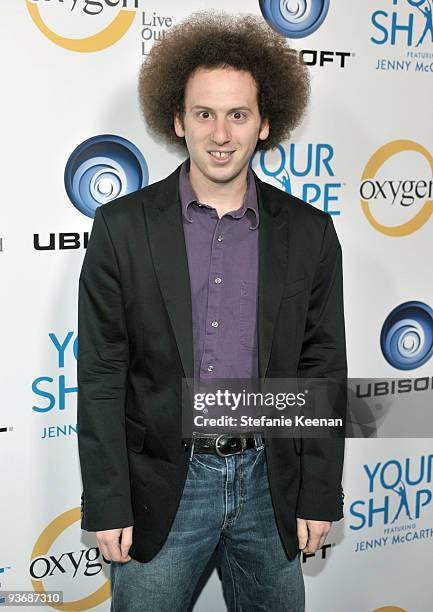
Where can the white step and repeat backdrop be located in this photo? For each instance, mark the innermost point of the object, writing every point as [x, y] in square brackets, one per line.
[72, 131]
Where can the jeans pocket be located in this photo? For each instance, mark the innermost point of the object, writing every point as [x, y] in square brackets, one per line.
[248, 315]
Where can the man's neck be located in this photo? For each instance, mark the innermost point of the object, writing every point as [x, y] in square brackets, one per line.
[224, 197]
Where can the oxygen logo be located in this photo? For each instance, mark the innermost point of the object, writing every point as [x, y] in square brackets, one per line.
[103, 168]
[385, 195]
[86, 562]
[294, 18]
[406, 338]
[104, 37]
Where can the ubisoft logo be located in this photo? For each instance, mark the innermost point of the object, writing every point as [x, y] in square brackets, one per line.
[294, 18]
[406, 339]
[101, 169]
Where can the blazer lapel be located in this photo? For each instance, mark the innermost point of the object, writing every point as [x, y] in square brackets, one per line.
[167, 243]
[272, 268]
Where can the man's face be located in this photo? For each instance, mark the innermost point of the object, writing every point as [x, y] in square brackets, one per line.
[222, 123]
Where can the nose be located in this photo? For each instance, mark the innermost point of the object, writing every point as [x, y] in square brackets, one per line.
[221, 132]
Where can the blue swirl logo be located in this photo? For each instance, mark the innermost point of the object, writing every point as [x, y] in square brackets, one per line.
[101, 169]
[294, 18]
[406, 339]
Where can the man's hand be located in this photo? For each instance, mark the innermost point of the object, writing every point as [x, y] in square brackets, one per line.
[312, 534]
[114, 544]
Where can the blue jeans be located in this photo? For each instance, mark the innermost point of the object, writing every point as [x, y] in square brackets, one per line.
[225, 504]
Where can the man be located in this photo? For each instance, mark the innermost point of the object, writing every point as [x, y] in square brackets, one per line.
[208, 273]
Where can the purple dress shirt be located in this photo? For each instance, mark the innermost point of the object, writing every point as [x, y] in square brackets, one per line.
[223, 268]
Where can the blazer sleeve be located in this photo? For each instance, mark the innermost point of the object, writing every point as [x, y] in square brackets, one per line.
[102, 367]
[323, 355]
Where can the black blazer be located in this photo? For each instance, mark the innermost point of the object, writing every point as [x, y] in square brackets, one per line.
[135, 346]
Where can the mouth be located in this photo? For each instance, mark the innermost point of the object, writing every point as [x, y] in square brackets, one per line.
[221, 157]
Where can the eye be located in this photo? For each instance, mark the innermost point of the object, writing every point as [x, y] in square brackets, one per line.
[204, 114]
[239, 115]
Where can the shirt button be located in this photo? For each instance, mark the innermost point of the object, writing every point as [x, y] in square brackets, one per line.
[220, 238]
[215, 323]
[210, 368]
[217, 280]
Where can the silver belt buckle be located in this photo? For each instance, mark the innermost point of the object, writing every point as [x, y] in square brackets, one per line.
[243, 445]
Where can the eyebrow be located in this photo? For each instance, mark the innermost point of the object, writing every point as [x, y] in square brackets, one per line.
[208, 108]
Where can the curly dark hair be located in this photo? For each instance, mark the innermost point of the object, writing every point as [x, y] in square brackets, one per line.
[209, 39]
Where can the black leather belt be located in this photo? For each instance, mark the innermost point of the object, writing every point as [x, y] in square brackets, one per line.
[223, 445]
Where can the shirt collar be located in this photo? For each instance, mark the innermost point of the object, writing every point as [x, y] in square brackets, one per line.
[188, 196]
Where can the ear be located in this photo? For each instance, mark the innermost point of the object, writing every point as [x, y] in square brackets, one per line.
[264, 129]
[178, 126]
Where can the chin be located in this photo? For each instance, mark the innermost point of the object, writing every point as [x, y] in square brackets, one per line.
[223, 175]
